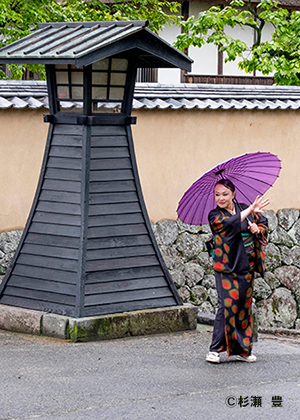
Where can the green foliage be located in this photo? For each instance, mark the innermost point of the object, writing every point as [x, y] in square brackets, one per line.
[279, 56]
[19, 17]
[158, 13]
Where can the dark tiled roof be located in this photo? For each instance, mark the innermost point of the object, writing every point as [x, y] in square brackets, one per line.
[69, 40]
[33, 94]
[83, 43]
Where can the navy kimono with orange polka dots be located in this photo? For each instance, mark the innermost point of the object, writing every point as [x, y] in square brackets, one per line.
[234, 272]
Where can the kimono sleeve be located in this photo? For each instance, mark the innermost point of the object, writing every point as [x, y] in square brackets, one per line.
[229, 253]
[262, 224]
[224, 225]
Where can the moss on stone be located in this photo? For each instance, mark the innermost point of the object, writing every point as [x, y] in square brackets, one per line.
[275, 305]
[134, 323]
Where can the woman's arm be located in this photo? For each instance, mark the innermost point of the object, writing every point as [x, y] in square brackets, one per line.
[256, 207]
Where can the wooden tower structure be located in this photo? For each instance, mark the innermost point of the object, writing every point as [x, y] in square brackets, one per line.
[88, 248]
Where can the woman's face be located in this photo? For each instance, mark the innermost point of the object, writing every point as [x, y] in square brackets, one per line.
[224, 197]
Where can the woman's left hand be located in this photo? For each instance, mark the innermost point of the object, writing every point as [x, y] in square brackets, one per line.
[253, 228]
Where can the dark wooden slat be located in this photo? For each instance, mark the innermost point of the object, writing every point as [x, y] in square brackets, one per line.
[112, 186]
[124, 197]
[115, 219]
[63, 174]
[66, 140]
[53, 240]
[50, 251]
[102, 130]
[117, 175]
[124, 274]
[56, 218]
[59, 230]
[125, 285]
[42, 285]
[127, 296]
[61, 309]
[120, 263]
[54, 207]
[59, 162]
[109, 152]
[120, 208]
[129, 306]
[100, 254]
[64, 151]
[45, 274]
[48, 262]
[106, 164]
[118, 241]
[40, 295]
[68, 129]
[109, 141]
[57, 185]
[60, 196]
[111, 231]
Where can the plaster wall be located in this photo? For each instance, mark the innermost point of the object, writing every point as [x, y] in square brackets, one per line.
[173, 149]
[22, 140]
[179, 146]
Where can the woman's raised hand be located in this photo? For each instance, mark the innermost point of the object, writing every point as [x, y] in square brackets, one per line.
[259, 204]
[256, 207]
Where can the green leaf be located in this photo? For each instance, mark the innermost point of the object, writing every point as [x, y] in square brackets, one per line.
[19, 17]
[279, 56]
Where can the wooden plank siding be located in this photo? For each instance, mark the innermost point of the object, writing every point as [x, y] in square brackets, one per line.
[120, 256]
[88, 248]
[45, 273]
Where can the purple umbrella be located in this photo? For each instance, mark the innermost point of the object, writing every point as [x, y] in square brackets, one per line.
[252, 174]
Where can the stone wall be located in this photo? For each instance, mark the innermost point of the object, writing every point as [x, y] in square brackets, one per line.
[8, 244]
[277, 297]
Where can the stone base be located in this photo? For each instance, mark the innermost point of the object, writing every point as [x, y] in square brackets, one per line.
[143, 322]
[20, 320]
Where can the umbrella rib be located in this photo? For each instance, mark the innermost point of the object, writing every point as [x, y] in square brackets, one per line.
[260, 173]
[241, 192]
[195, 211]
[255, 189]
[243, 182]
[203, 211]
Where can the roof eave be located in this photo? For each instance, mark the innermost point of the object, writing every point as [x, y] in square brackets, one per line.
[162, 53]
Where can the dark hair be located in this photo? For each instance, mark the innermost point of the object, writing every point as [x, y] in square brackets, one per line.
[227, 184]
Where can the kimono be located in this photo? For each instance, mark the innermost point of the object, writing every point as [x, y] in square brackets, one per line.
[237, 254]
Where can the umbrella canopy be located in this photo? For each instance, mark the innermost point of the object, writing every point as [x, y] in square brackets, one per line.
[252, 174]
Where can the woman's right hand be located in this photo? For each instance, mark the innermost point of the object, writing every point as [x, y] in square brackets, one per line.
[259, 204]
[256, 207]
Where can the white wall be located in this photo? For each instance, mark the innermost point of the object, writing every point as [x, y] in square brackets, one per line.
[244, 34]
[206, 57]
[168, 76]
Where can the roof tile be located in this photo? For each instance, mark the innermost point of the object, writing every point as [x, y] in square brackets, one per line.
[33, 94]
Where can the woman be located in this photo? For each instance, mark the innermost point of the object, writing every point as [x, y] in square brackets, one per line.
[238, 252]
